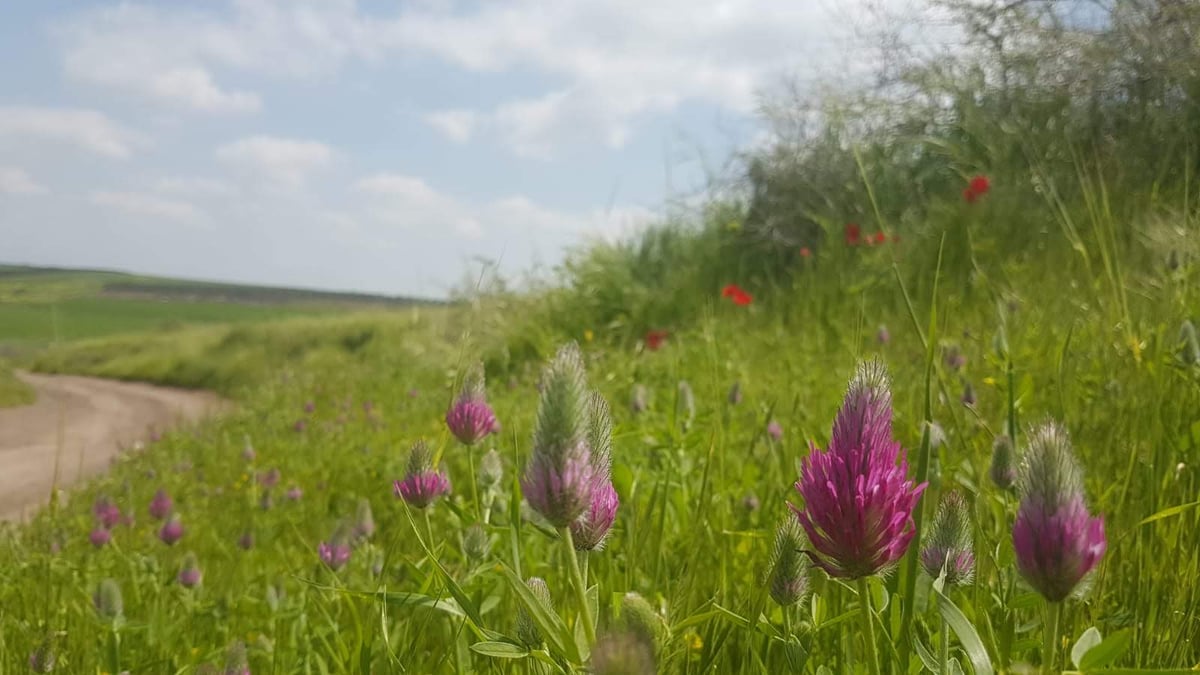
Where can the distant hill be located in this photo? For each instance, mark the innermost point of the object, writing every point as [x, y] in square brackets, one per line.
[25, 283]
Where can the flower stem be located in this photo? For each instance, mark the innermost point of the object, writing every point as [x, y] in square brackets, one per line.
[945, 647]
[585, 609]
[428, 531]
[864, 602]
[1051, 649]
[474, 486]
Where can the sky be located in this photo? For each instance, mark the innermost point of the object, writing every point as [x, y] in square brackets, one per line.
[380, 146]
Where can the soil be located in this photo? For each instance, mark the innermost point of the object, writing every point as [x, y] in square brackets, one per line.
[76, 427]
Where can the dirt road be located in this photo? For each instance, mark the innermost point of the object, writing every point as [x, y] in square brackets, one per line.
[76, 426]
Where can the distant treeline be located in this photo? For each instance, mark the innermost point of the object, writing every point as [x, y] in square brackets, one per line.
[177, 290]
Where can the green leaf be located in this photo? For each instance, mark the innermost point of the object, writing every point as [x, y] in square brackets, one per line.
[967, 635]
[500, 650]
[1090, 638]
[553, 628]
[1167, 513]
[409, 600]
[927, 657]
[1110, 649]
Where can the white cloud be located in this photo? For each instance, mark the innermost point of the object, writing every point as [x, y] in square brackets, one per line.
[283, 162]
[612, 62]
[194, 87]
[409, 202]
[456, 125]
[15, 181]
[147, 205]
[87, 129]
[191, 185]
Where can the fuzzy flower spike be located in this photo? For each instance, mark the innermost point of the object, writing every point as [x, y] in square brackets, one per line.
[559, 478]
[470, 418]
[947, 546]
[1057, 541]
[858, 499]
[590, 530]
[422, 484]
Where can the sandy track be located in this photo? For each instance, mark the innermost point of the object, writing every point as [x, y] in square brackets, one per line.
[75, 428]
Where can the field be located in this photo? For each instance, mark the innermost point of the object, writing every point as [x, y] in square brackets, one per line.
[43, 305]
[1022, 258]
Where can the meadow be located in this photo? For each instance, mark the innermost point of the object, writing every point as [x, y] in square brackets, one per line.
[1008, 275]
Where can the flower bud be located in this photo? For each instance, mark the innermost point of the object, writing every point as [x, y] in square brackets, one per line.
[476, 543]
[735, 393]
[1003, 470]
[491, 471]
[527, 631]
[947, 546]
[639, 617]
[788, 580]
[1189, 345]
[107, 599]
[639, 400]
[685, 405]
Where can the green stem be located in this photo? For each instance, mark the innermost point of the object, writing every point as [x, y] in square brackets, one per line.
[864, 603]
[583, 567]
[474, 486]
[945, 647]
[428, 531]
[1049, 655]
[585, 608]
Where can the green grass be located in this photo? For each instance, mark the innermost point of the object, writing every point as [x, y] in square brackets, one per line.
[684, 537]
[1065, 288]
[12, 391]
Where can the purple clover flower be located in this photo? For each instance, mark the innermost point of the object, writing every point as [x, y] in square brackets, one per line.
[335, 554]
[172, 531]
[423, 484]
[470, 418]
[107, 513]
[100, 536]
[1056, 539]
[858, 499]
[161, 505]
[589, 531]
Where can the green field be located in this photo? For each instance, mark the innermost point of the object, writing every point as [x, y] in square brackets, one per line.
[39, 306]
[1064, 290]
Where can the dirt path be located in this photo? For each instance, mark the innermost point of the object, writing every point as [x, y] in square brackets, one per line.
[76, 426]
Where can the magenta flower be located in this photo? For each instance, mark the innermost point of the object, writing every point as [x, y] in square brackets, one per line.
[171, 532]
[883, 336]
[100, 536]
[589, 531]
[422, 489]
[106, 512]
[561, 471]
[471, 419]
[309, 407]
[423, 484]
[561, 491]
[269, 479]
[190, 574]
[1056, 539]
[161, 505]
[858, 499]
[294, 493]
[775, 431]
[334, 554]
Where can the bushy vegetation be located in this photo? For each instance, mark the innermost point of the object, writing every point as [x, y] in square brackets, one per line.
[1063, 290]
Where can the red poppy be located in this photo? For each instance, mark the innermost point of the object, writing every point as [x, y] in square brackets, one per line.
[976, 188]
[853, 234]
[655, 339]
[880, 237]
[735, 293]
[805, 252]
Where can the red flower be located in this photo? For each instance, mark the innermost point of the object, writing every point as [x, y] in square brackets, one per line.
[976, 188]
[735, 293]
[655, 339]
[853, 234]
[880, 237]
[805, 252]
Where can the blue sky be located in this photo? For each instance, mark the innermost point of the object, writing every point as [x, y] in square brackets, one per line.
[377, 146]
